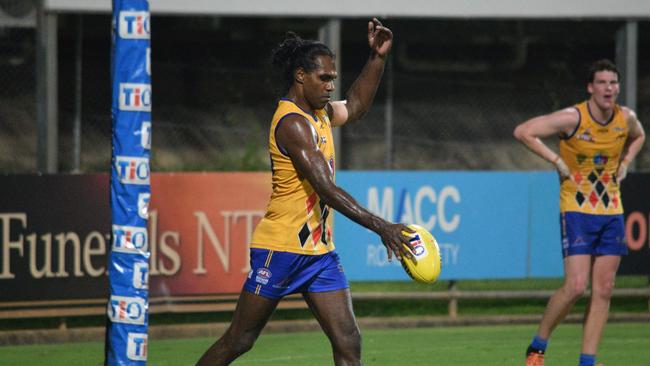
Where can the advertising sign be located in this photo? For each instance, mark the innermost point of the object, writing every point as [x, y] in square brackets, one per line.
[480, 220]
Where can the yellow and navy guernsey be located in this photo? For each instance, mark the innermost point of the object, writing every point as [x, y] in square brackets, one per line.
[296, 220]
[592, 154]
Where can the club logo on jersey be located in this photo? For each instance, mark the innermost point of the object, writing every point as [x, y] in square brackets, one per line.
[600, 159]
[141, 275]
[129, 239]
[263, 275]
[136, 348]
[132, 170]
[585, 136]
[135, 97]
[134, 25]
[127, 310]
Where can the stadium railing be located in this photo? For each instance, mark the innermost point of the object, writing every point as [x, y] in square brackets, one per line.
[64, 309]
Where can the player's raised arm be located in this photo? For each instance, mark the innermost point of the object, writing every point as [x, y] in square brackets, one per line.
[295, 135]
[362, 92]
[531, 132]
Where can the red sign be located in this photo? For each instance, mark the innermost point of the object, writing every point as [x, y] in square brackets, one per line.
[200, 227]
[55, 233]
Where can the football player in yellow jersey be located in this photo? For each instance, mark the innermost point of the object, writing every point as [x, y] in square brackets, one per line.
[598, 140]
[291, 249]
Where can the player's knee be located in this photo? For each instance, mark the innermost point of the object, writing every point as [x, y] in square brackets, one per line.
[602, 289]
[576, 287]
[349, 342]
[238, 344]
[243, 344]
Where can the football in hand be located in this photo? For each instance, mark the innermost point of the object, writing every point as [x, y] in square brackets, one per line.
[426, 268]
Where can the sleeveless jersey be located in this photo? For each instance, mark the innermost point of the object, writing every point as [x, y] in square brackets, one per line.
[592, 154]
[296, 220]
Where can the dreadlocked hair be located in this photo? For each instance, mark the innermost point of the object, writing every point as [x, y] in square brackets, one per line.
[295, 52]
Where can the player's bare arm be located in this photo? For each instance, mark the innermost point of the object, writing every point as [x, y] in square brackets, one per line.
[531, 132]
[295, 135]
[362, 92]
[635, 140]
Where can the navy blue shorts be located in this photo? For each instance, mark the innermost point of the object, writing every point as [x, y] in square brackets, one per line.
[592, 234]
[277, 274]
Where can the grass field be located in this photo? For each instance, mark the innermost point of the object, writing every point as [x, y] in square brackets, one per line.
[624, 344]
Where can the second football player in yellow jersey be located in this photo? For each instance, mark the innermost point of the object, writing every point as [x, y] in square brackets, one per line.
[599, 139]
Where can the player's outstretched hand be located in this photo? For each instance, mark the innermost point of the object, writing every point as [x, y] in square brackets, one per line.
[380, 38]
[393, 238]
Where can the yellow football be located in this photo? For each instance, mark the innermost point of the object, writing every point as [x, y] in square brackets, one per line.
[427, 266]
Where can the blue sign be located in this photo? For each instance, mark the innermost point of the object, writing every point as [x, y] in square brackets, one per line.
[483, 222]
[130, 190]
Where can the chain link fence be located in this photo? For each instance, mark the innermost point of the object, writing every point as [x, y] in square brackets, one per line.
[17, 101]
[455, 91]
[459, 88]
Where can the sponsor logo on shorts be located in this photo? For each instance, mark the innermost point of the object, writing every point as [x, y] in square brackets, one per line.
[565, 243]
[282, 284]
[579, 242]
[263, 275]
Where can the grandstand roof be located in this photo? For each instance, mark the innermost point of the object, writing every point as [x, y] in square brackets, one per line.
[385, 8]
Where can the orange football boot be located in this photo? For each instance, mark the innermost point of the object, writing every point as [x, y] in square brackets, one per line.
[534, 359]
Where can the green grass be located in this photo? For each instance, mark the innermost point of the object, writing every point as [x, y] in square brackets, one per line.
[506, 284]
[622, 344]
